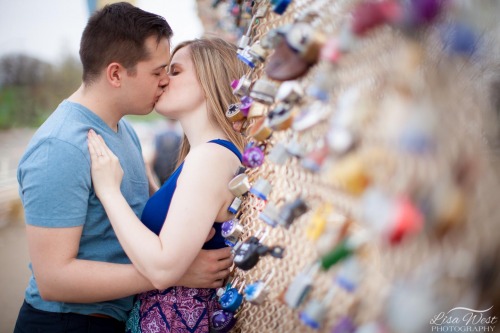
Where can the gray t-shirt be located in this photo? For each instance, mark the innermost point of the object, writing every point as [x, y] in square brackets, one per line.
[56, 190]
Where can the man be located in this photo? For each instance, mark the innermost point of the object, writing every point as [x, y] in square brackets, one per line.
[82, 279]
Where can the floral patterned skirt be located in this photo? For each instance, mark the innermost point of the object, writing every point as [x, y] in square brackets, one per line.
[173, 310]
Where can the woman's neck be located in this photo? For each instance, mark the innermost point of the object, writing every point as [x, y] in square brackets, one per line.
[198, 128]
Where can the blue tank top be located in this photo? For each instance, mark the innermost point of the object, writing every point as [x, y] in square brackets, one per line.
[156, 209]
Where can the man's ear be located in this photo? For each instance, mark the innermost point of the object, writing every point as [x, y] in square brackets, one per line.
[114, 74]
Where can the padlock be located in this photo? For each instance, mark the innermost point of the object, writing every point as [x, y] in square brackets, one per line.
[291, 211]
[232, 230]
[350, 172]
[341, 140]
[305, 40]
[232, 299]
[247, 255]
[447, 206]
[318, 221]
[257, 292]
[246, 103]
[261, 188]
[421, 13]
[349, 275]
[243, 42]
[241, 87]
[222, 321]
[234, 113]
[460, 38]
[290, 92]
[322, 85]
[253, 55]
[270, 215]
[246, 57]
[220, 291]
[370, 14]
[337, 228]
[241, 169]
[315, 311]
[271, 39]
[391, 218]
[278, 154]
[285, 64]
[281, 117]
[325, 79]
[256, 110]
[295, 148]
[239, 185]
[346, 248]
[235, 206]
[315, 159]
[408, 220]
[264, 91]
[417, 133]
[259, 13]
[280, 6]
[310, 116]
[344, 325]
[253, 155]
[260, 130]
[331, 52]
[300, 287]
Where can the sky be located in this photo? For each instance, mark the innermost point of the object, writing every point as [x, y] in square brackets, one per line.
[51, 29]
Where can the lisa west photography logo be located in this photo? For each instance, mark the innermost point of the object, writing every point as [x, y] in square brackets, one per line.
[462, 319]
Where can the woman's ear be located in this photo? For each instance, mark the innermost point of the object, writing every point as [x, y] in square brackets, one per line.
[114, 73]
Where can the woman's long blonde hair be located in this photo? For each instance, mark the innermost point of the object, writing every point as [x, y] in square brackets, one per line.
[216, 66]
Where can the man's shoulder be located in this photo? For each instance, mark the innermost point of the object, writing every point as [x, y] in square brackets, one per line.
[62, 128]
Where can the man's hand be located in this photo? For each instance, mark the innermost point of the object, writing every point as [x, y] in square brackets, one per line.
[208, 270]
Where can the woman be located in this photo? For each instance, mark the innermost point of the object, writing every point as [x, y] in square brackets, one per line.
[180, 215]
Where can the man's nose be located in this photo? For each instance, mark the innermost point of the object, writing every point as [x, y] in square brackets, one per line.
[165, 79]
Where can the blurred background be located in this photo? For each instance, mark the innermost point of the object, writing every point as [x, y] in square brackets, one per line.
[39, 67]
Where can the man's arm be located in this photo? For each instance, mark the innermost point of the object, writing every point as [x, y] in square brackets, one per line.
[62, 277]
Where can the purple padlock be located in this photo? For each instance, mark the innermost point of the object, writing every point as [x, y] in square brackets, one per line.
[246, 103]
[253, 156]
[222, 321]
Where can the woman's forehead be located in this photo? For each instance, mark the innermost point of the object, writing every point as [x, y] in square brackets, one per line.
[182, 56]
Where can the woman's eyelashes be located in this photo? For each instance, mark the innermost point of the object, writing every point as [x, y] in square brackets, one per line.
[173, 70]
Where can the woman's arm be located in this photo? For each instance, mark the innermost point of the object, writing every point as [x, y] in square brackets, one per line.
[200, 195]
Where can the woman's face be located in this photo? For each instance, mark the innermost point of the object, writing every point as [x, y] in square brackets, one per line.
[183, 92]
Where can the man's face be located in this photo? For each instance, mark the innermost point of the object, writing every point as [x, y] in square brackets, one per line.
[142, 90]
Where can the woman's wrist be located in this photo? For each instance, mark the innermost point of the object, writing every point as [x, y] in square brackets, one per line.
[110, 196]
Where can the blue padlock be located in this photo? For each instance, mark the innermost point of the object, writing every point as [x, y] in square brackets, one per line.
[231, 299]
[279, 6]
[256, 292]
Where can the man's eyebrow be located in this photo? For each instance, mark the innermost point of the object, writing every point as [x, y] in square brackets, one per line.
[161, 66]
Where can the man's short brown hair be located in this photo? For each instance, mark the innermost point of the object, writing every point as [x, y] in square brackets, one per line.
[117, 33]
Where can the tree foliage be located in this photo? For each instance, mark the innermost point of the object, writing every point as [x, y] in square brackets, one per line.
[30, 89]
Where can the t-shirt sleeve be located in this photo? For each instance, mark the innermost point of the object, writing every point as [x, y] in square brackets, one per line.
[54, 184]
